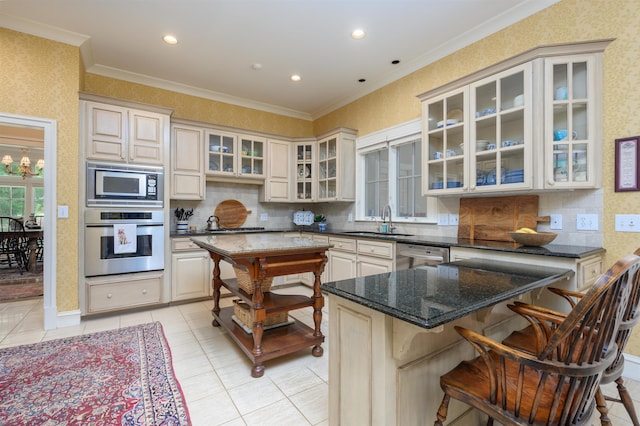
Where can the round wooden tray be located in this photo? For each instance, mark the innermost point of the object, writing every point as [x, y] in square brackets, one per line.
[231, 214]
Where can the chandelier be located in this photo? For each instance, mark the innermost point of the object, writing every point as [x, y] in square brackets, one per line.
[25, 165]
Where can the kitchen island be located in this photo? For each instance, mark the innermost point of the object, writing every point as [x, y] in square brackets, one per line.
[263, 256]
[391, 336]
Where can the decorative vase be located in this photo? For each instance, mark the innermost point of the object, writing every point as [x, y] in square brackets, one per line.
[182, 226]
[322, 226]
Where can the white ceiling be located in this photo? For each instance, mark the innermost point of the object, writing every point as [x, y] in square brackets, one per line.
[219, 40]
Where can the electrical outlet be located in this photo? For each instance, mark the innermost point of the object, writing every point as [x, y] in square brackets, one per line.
[628, 223]
[443, 219]
[453, 219]
[556, 221]
[587, 222]
[264, 217]
[350, 217]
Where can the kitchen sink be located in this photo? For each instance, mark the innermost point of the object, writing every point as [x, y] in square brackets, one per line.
[370, 233]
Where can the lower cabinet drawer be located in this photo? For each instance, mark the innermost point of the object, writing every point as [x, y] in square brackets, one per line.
[588, 272]
[106, 294]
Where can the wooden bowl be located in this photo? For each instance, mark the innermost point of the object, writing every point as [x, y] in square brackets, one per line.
[534, 240]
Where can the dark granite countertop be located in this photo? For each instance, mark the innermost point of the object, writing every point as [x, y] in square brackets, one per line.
[555, 250]
[435, 295]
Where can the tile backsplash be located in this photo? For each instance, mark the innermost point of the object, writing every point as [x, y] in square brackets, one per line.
[280, 215]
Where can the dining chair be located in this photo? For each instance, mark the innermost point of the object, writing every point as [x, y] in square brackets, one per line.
[558, 384]
[13, 243]
[527, 339]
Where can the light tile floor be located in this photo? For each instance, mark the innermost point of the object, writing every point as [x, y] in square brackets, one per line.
[215, 374]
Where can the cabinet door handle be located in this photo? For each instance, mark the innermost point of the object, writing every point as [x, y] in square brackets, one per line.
[109, 295]
[144, 291]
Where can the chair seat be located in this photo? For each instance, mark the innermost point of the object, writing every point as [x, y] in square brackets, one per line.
[469, 382]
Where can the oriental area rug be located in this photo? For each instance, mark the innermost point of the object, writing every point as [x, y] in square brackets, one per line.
[116, 377]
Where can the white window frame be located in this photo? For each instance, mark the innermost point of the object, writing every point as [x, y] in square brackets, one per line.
[29, 183]
[389, 138]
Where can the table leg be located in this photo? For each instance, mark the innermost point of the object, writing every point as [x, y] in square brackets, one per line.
[318, 303]
[259, 315]
[217, 283]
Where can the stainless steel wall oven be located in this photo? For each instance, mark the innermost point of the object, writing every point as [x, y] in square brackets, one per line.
[119, 242]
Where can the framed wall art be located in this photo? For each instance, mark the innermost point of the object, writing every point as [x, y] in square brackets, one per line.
[627, 164]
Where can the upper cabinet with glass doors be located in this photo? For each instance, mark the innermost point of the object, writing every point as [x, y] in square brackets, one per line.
[444, 136]
[500, 134]
[336, 166]
[235, 156]
[305, 171]
[532, 125]
[572, 139]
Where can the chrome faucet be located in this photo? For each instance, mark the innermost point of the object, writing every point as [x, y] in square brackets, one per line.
[386, 210]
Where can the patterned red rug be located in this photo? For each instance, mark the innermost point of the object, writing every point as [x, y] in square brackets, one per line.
[122, 377]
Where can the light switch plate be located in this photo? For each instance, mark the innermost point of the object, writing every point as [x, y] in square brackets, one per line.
[627, 223]
[63, 212]
[556, 221]
[587, 222]
[443, 219]
[264, 217]
[453, 219]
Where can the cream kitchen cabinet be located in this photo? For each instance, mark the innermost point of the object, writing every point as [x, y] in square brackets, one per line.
[336, 166]
[572, 132]
[351, 257]
[374, 257]
[479, 137]
[187, 163]
[191, 270]
[120, 134]
[277, 185]
[528, 123]
[342, 258]
[118, 292]
[587, 269]
[305, 172]
[233, 155]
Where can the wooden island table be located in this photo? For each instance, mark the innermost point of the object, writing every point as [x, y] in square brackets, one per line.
[263, 256]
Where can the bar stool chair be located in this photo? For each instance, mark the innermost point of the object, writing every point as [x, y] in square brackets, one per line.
[558, 384]
[527, 340]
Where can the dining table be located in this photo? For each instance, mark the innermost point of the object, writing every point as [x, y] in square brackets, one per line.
[32, 234]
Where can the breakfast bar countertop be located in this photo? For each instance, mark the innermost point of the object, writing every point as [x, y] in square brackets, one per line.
[434, 295]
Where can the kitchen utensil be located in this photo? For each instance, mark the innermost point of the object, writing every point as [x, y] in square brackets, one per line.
[212, 223]
[231, 214]
[534, 240]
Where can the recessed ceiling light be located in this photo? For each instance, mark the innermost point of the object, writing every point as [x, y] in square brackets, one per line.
[358, 34]
[169, 39]
[256, 66]
[295, 77]
[395, 61]
[362, 80]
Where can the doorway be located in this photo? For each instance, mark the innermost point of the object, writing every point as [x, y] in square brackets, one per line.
[48, 128]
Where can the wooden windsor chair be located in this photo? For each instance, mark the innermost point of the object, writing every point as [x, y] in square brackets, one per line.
[558, 384]
[531, 339]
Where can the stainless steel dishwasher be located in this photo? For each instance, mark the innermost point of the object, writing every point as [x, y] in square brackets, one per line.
[414, 255]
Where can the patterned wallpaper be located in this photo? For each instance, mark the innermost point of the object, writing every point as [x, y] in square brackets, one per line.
[199, 109]
[40, 78]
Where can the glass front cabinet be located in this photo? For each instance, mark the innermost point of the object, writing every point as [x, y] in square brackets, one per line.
[572, 139]
[305, 171]
[500, 136]
[531, 126]
[233, 155]
[336, 171]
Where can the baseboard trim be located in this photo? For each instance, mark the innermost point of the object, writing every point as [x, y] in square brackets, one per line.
[631, 367]
[68, 318]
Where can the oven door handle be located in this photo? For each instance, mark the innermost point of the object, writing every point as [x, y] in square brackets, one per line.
[110, 225]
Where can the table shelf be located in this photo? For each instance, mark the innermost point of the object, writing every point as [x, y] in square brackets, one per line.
[276, 342]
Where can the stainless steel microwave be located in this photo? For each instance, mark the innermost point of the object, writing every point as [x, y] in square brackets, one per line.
[124, 185]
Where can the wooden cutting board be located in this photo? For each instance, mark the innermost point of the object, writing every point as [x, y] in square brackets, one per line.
[493, 218]
[231, 214]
